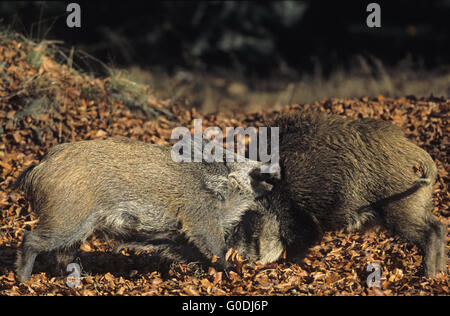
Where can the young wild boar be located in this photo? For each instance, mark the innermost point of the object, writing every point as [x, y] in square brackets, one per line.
[136, 193]
[344, 173]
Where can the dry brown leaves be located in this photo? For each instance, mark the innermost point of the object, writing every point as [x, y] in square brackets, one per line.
[337, 266]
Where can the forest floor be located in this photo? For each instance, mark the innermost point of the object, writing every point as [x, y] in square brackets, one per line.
[44, 101]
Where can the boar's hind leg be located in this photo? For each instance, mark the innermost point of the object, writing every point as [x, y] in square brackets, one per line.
[412, 218]
[34, 242]
[44, 240]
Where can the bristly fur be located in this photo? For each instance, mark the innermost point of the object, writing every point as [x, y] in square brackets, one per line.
[135, 192]
[346, 173]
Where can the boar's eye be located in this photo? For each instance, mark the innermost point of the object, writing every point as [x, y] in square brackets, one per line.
[233, 180]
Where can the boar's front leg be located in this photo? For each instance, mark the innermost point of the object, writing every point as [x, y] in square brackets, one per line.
[209, 238]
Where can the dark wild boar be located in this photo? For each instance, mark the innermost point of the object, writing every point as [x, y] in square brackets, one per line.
[342, 173]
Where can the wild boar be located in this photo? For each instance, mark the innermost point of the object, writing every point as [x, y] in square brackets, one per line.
[342, 173]
[136, 193]
[345, 173]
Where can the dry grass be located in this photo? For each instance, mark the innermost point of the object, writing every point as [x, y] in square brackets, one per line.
[365, 77]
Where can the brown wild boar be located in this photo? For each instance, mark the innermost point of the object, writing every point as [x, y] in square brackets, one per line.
[342, 173]
[137, 194]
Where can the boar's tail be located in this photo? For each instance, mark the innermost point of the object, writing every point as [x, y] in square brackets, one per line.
[429, 173]
[20, 182]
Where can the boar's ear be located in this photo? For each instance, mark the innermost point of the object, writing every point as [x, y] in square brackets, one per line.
[263, 178]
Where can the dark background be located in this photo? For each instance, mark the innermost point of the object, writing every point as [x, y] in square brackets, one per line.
[255, 38]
